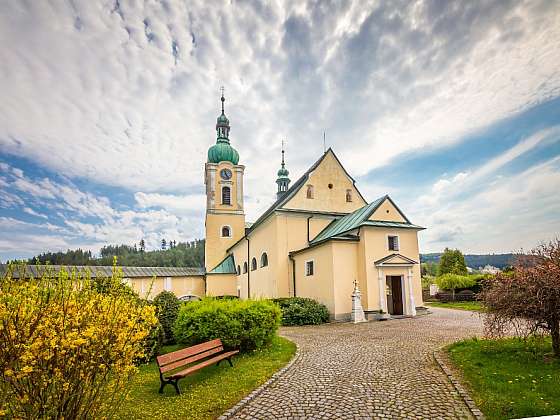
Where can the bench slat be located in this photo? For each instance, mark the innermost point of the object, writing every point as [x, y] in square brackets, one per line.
[175, 356]
[201, 365]
[188, 360]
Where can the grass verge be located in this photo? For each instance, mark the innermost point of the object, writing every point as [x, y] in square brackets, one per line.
[465, 306]
[510, 378]
[207, 393]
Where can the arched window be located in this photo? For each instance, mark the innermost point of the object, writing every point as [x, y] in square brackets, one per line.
[244, 267]
[264, 259]
[348, 196]
[226, 232]
[253, 264]
[310, 191]
[226, 196]
[238, 270]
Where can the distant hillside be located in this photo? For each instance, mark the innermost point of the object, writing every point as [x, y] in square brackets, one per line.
[475, 261]
[180, 254]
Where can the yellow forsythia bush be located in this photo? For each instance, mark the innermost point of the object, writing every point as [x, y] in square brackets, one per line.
[68, 343]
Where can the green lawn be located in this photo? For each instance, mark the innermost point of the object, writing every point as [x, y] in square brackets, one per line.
[207, 393]
[509, 379]
[465, 306]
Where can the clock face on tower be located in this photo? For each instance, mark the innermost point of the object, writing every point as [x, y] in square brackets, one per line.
[225, 174]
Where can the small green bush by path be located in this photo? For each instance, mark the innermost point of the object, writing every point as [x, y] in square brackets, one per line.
[167, 309]
[302, 311]
[510, 378]
[240, 324]
[152, 344]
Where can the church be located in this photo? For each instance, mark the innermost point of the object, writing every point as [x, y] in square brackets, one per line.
[317, 239]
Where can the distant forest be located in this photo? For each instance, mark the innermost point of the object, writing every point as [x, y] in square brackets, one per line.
[475, 261]
[177, 254]
[191, 254]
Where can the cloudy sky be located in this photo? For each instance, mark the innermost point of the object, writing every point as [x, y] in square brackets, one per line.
[108, 108]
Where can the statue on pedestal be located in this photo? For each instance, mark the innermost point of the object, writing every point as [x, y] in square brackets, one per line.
[357, 310]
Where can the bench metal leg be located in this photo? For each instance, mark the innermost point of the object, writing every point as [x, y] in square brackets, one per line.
[164, 382]
[221, 360]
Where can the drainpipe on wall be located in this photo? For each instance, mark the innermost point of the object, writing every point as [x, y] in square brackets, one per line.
[248, 270]
[293, 273]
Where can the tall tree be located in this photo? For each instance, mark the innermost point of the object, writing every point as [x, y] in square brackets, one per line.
[163, 244]
[452, 261]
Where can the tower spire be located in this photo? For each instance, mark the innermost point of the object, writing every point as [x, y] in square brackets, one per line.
[283, 181]
[222, 99]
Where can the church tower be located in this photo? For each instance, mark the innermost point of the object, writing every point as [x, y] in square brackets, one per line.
[225, 216]
[283, 181]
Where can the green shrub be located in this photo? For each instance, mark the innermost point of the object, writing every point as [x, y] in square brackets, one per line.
[240, 324]
[167, 308]
[302, 311]
[152, 344]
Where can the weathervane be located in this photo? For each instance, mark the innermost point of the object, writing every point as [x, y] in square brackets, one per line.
[223, 99]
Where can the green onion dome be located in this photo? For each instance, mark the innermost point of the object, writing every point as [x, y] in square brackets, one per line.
[222, 151]
[283, 173]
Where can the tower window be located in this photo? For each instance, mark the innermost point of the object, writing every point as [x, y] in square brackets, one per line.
[253, 264]
[238, 270]
[244, 267]
[348, 196]
[226, 196]
[226, 232]
[264, 260]
[310, 191]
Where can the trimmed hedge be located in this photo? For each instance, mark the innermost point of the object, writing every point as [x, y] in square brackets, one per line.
[240, 324]
[167, 308]
[302, 311]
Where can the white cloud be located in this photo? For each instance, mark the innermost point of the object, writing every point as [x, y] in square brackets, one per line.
[507, 215]
[447, 189]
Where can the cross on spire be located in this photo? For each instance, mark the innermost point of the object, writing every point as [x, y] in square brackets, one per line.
[222, 99]
[282, 153]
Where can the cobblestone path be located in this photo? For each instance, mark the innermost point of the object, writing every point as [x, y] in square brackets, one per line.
[376, 369]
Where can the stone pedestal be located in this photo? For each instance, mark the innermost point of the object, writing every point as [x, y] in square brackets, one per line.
[357, 310]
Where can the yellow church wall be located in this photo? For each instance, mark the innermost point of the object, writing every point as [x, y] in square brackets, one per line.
[149, 287]
[317, 223]
[376, 247]
[215, 246]
[345, 271]
[319, 286]
[324, 198]
[221, 285]
[387, 212]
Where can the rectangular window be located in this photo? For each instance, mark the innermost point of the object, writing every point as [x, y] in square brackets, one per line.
[393, 243]
[167, 284]
[309, 268]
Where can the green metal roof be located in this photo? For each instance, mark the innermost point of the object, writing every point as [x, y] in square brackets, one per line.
[348, 222]
[360, 218]
[382, 223]
[99, 271]
[227, 266]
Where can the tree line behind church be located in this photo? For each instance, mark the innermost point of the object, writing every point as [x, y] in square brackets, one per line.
[171, 254]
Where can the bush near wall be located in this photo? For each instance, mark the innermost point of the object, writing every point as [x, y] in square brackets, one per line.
[167, 308]
[240, 324]
[68, 346]
[302, 311]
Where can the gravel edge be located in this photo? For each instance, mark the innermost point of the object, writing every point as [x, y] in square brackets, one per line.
[237, 407]
[441, 359]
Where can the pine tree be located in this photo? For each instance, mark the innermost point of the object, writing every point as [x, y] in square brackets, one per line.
[163, 244]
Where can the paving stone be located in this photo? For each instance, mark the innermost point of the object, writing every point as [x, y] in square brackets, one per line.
[368, 370]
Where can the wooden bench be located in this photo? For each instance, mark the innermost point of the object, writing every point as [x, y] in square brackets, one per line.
[192, 359]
